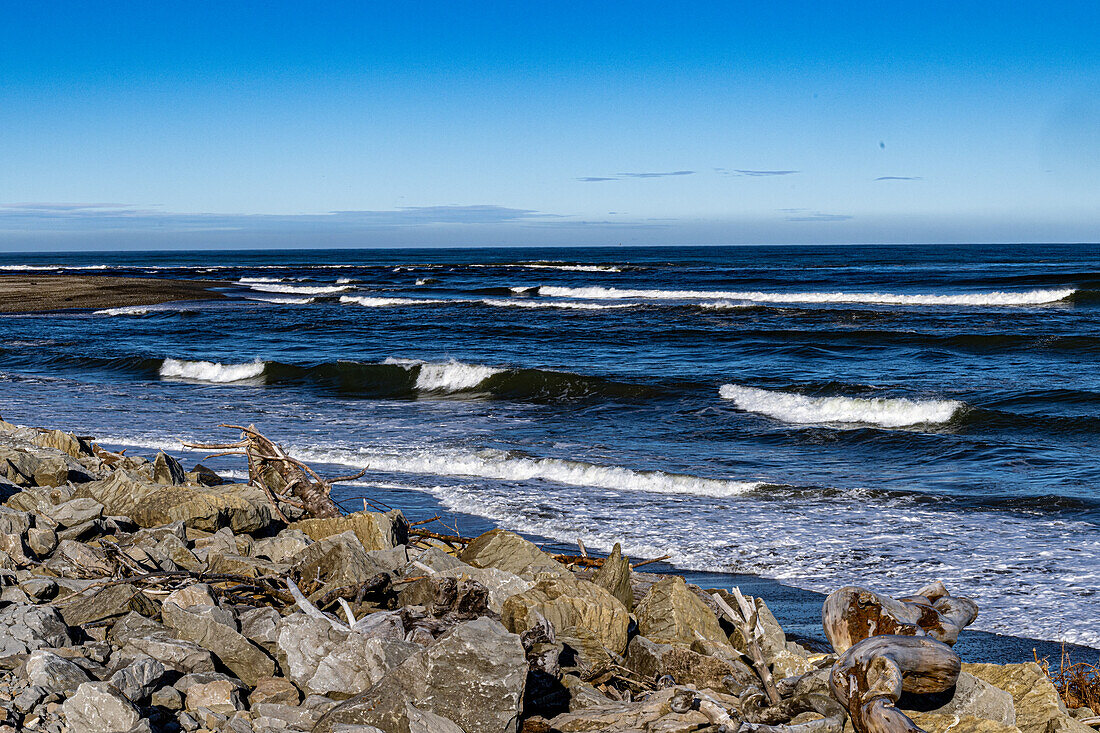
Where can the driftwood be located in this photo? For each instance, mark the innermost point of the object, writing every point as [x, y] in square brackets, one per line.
[747, 620]
[869, 678]
[852, 614]
[284, 479]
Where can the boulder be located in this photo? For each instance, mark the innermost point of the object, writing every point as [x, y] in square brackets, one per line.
[507, 551]
[139, 678]
[105, 603]
[258, 625]
[13, 521]
[1039, 708]
[220, 696]
[336, 560]
[215, 630]
[501, 584]
[176, 550]
[274, 690]
[75, 511]
[376, 531]
[944, 723]
[76, 560]
[473, 675]
[67, 443]
[168, 698]
[167, 470]
[240, 507]
[671, 613]
[324, 660]
[97, 707]
[614, 577]
[686, 667]
[196, 594]
[182, 656]
[422, 721]
[282, 546]
[652, 714]
[24, 629]
[970, 696]
[564, 601]
[55, 673]
[42, 540]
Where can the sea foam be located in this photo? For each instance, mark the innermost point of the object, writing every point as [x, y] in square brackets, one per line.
[130, 310]
[209, 371]
[376, 302]
[449, 376]
[1027, 297]
[796, 408]
[298, 289]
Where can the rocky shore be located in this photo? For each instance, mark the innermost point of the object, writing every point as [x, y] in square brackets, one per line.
[139, 596]
[25, 293]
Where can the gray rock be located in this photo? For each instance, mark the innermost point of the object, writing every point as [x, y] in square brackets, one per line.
[474, 675]
[651, 660]
[42, 540]
[75, 511]
[185, 683]
[196, 594]
[29, 698]
[259, 625]
[105, 603]
[614, 577]
[501, 584]
[168, 698]
[46, 669]
[167, 470]
[321, 659]
[97, 707]
[133, 625]
[73, 559]
[375, 531]
[26, 628]
[13, 521]
[40, 589]
[971, 696]
[219, 696]
[508, 551]
[182, 656]
[337, 560]
[422, 721]
[282, 546]
[138, 679]
[291, 716]
[564, 601]
[435, 559]
[214, 629]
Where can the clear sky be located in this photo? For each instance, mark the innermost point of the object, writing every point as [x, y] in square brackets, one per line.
[192, 124]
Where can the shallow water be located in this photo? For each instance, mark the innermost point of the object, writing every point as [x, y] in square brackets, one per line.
[822, 416]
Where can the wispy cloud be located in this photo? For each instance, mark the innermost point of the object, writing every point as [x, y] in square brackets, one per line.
[624, 176]
[49, 206]
[753, 173]
[810, 215]
[899, 178]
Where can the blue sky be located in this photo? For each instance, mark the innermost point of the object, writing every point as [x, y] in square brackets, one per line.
[137, 124]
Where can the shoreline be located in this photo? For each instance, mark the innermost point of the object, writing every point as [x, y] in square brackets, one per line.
[34, 293]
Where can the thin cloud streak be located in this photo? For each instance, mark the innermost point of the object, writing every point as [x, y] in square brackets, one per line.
[899, 178]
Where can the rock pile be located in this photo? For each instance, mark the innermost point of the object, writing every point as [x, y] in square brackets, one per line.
[137, 596]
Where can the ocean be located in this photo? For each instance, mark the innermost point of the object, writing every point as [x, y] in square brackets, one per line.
[883, 416]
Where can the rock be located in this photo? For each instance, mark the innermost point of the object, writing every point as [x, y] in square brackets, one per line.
[64, 442]
[282, 546]
[321, 659]
[41, 540]
[167, 470]
[474, 675]
[258, 625]
[24, 629]
[40, 589]
[970, 696]
[97, 707]
[508, 551]
[422, 721]
[176, 550]
[214, 630]
[242, 508]
[182, 656]
[1039, 708]
[139, 678]
[13, 521]
[75, 511]
[943, 723]
[168, 698]
[29, 698]
[788, 664]
[196, 594]
[671, 613]
[48, 670]
[376, 531]
[614, 577]
[200, 474]
[105, 603]
[337, 560]
[686, 667]
[271, 715]
[131, 626]
[653, 714]
[76, 560]
[274, 690]
[565, 601]
[220, 696]
[501, 584]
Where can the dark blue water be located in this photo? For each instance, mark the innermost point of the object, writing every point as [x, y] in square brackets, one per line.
[885, 416]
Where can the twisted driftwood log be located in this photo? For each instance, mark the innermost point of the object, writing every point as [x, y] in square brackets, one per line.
[852, 614]
[871, 675]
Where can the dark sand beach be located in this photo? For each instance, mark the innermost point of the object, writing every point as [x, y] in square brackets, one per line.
[27, 292]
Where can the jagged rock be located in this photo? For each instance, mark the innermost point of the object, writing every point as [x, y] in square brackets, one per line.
[46, 669]
[168, 698]
[75, 512]
[220, 696]
[441, 679]
[42, 540]
[259, 625]
[274, 690]
[321, 659]
[336, 560]
[445, 596]
[176, 550]
[422, 721]
[614, 577]
[167, 470]
[970, 696]
[583, 652]
[272, 715]
[131, 626]
[196, 594]
[76, 560]
[13, 521]
[104, 603]
[508, 551]
[1039, 708]
[564, 601]
[40, 589]
[30, 465]
[652, 714]
[182, 656]
[944, 723]
[200, 474]
[97, 707]
[24, 629]
[376, 531]
[29, 698]
[686, 667]
[671, 613]
[251, 567]
[139, 678]
[282, 546]
[214, 630]
[242, 508]
[65, 442]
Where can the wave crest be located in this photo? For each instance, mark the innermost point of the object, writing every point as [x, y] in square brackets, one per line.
[210, 371]
[1028, 297]
[802, 409]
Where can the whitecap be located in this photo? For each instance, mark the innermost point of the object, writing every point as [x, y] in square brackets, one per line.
[1027, 297]
[802, 409]
[377, 302]
[448, 376]
[298, 289]
[210, 371]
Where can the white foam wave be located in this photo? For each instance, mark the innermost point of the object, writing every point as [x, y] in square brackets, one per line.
[723, 305]
[210, 371]
[344, 280]
[130, 310]
[796, 408]
[571, 268]
[1027, 297]
[247, 280]
[504, 466]
[283, 301]
[374, 302]
[573, 305]
[47, 268]
[448, 376]
[298, 289]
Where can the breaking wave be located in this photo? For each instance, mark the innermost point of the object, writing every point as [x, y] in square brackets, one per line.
[450, 376]
[1029, 297]
[210, 371]
[298, 289]
[375, 302]
[568, 305]
[802, 409]
[130, 310]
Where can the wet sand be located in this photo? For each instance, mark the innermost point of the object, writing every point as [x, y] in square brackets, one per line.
[23, 293]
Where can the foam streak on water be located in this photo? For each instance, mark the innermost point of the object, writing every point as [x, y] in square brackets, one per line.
[209, 371]
[796, 408]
